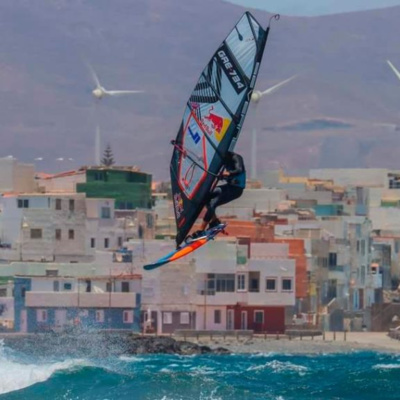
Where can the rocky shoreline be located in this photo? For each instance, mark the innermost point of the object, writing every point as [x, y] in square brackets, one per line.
[103, 345]
[126, 343]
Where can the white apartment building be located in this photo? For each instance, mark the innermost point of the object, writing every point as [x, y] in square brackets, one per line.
[218, 286]
[43, 227]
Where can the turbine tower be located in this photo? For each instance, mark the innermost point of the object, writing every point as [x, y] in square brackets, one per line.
[256, 96]
[395, 70]
[97, 147]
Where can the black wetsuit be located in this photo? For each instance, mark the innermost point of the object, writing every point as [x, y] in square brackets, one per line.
[233, 189]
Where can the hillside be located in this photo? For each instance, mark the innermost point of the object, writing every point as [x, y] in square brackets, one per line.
[160, 46]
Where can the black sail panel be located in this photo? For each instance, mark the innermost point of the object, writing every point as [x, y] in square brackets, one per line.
[212, 120]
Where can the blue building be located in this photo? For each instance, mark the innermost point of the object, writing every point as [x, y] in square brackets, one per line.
[55, 303]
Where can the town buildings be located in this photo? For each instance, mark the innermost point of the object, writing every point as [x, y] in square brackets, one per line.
[320, 250]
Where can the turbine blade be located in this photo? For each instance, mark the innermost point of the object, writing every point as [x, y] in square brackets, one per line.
[93, 74]
[277, 86]
[122, 92]
[395, 70]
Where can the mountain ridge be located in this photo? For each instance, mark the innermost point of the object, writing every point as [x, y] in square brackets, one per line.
[161, 46]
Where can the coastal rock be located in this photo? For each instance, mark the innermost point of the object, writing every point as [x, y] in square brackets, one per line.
[103, 345]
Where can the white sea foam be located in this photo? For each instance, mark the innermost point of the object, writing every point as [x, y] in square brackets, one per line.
[16, 375]
[386, 366]
[280, 366]
[202, 396]
[132, 359]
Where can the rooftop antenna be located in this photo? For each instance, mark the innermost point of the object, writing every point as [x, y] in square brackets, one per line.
[256, 96]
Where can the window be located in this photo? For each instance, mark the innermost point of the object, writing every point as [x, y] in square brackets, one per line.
[67, 286]
[332, 259]
[99, 176]
[119, 241]
[71, 234]
[241, 282]
[58, 234]
[56, 286]
[108, 287]
[23, 203]
[23, 291]
[286, 284]
[105, 212]
[259, 317]
[36, 233]
[363, 247]
[127, 317]
[71, 204]
[167, 318]
[106, 243]
[125, 287]
[149, 220]
[88, 286]
[254, 285]
[184, 320]
[217, 316]
[100, 316]
[92, 243]
[225, 282]
[270, 284]
[58, 204]
[41, 315]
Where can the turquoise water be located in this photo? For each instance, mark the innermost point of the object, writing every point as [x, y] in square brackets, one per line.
[360, 375]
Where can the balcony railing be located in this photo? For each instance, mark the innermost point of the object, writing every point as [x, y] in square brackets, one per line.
[336, 268]
[75, 299]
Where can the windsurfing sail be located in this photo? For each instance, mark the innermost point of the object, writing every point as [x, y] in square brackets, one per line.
[213, 118]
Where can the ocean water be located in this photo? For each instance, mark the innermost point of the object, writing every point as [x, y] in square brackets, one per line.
[357, 375]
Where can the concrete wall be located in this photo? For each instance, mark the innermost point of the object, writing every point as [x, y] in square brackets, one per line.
[62, 183]
[16, 177]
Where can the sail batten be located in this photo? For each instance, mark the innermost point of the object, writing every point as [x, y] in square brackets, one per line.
[212, 119]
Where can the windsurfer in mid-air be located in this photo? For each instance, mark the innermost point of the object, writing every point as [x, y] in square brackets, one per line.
[235, 176]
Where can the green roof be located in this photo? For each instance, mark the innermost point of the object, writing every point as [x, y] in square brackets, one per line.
[4, 279]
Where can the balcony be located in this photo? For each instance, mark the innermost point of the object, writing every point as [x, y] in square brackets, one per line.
[122, 256]
[83, 300]
[220, 298]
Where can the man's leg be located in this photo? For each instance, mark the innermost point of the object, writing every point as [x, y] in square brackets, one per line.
[210, 216]
[228, 194]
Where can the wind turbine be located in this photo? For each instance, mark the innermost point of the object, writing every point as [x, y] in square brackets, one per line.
[256, 96]
[100, 91]
[395, 70]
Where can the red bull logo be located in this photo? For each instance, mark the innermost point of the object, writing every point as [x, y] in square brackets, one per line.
[214, 123]
[178, 204]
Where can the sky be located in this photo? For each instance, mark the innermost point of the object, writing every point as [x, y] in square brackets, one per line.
[315, 7]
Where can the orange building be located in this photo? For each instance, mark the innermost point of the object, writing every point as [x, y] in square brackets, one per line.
[255, 231]
[296, 252]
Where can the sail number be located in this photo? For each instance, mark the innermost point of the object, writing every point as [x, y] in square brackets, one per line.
[194, 135]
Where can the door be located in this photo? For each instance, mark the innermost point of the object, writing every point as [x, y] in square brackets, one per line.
[60, 318]
[24, 321]
[243, 320]
[229, 320]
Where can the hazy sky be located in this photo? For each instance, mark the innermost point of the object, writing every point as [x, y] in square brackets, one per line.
[315, 7]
